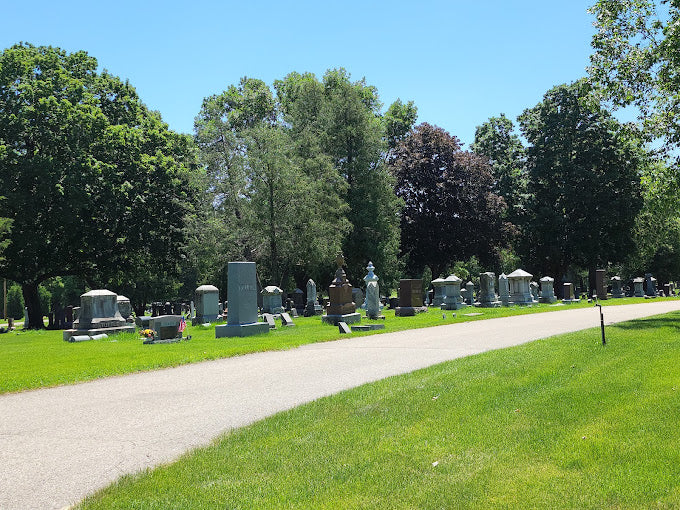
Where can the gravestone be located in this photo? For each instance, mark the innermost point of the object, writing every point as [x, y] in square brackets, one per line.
[206, 305]
[340, 308]
[25, 317]
[98, 315]
[286, 319]
[617, 287]
[452, 298]
[125, 308]
[410, 298]
[166, 326]
[568, 293]
[313, 307]
[69, 317]
[372, 293]
[367, 327]
[533, 287]
[667, 289]
[470, 293]
[269, 319]
[358, 297]
[519, 282]
[601, 284]
[271, 300]
[487, 291]
[650, 286]
[638, 284]
[439, 295]
[504, 289]
[242, 294]
[547, 290]
[344, 328]
[298, 297]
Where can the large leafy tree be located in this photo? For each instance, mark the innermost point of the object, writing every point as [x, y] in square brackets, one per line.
[276, 198]
[96, 184]
[496, 140]
[583, 181]
[342, 119]
[451, 211]
[637, 60]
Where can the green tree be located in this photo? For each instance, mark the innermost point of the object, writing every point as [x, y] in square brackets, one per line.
[451, 211]
[637, 60]
[15, 302]
[657, 226]
[583, 182]
[497, 141]
[399, 121]
[276, 199]
[110, 178]
[342, 119]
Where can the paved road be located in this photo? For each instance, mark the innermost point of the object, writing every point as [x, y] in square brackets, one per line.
[59, 444]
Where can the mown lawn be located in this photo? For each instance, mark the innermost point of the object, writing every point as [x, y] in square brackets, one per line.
[557, 423]
[35, 359]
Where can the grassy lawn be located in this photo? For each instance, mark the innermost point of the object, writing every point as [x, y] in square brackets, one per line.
[35, 359]
[557, 423]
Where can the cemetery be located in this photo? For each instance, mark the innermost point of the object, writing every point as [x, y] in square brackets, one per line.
[306, 217]
[124, 351]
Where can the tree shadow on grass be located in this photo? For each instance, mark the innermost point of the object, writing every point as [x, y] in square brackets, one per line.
[670, 320]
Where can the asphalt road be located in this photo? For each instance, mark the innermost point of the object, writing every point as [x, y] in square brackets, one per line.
[57, 445]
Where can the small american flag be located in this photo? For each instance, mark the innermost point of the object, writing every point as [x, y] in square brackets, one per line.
[182, 324]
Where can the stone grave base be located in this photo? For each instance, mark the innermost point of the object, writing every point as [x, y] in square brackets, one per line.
[68, 333]
[163, 341]
[409, 311]
[205, 319]
[547, 300]
[85, 338]
[368, 327]
[376, 317]
[616, 296]
[229, 330]
[316, 311]
[523, 303]
[348, 318]
[569, 301]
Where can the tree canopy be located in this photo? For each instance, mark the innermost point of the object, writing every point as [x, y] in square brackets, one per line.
[95, 184]
[496, 140]
[450, 212]
[583, 171]
[637, 60]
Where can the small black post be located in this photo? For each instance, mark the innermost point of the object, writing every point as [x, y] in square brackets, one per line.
[604, 342]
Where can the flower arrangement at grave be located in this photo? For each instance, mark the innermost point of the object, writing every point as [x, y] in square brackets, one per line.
[148, 333]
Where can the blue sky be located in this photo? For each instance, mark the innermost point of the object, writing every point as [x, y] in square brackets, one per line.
[461, 62]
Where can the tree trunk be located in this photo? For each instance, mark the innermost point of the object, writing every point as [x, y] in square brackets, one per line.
[32, 302]
[591, 281]
[272, 236]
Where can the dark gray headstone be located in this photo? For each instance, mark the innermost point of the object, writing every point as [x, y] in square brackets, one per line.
[344, 328]
[269, 319]
[286, 319]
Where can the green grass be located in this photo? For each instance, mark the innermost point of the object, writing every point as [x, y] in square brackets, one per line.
[557, 423]
[35, 359]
